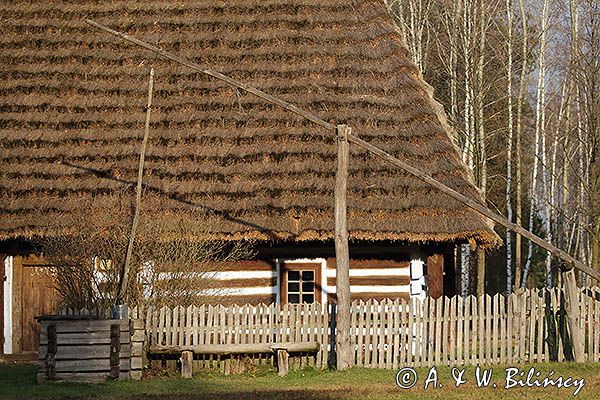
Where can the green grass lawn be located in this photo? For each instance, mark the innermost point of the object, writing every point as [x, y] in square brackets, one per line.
[18, 382]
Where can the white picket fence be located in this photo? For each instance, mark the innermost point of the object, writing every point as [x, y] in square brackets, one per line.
[525, 327]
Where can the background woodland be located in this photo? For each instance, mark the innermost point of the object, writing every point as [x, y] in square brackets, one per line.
[520, 81]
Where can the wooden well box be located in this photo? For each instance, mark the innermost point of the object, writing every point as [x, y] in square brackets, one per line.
[79, 349]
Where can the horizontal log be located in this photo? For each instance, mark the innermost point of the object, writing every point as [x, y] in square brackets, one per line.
[138, 335]
[84, 352]
[389, 280]
[210, 283]
[78, 338]
[135, 375]
[138, 324]
[90, 365]
[56, 318]
[299, 347]
[83, 377]
[86, 326]
[366, 296]
[137, 349]
[362, 263]
[136, 363]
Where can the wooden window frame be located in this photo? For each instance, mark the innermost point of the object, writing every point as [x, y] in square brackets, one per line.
[304, 266]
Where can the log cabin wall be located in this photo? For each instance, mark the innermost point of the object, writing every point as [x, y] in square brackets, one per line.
[267, 281]
[242, 282]
[306, 279]
[373, 279]
[281, 274]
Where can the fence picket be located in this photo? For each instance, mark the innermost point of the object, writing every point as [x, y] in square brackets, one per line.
[521, 336]
[396, 334]
[418, 337]
[360, 307]
[531, 336]
[481, 310]
[596, 332]
[541, 328]
[475, 311]
[502, 340]
[439, 319]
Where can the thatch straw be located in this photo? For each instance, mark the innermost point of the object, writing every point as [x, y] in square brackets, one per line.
[71, 104]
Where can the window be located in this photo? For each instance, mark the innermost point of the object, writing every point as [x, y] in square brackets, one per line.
[301, 287]
[301, 283]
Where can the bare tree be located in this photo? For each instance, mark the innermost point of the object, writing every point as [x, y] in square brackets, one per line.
[587, 69]
[171, 264]
[412, 16]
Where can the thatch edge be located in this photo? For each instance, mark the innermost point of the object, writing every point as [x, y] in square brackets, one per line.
[479, 238]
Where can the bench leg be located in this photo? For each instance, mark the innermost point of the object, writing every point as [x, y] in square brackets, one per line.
[282, 362]
[187, 358]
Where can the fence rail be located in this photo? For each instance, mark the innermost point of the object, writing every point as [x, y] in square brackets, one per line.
[525, 327]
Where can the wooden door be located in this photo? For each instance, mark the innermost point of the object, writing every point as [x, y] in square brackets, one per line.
[33, 295]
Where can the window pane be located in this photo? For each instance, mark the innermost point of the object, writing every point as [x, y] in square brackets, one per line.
[308, 275]
[294, 286]
[293, 298]
[293, 275]
[308, 298]
[308, 287]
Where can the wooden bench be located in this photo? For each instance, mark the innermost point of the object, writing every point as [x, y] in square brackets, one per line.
[280, 350]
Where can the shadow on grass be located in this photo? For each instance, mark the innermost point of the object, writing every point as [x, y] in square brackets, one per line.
[295, 394]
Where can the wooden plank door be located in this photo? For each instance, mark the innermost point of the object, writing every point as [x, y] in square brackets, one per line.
[34, 294]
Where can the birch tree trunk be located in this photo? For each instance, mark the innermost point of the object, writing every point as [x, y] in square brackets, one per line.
[541, 125]
[465, 267]
[467, 34]
[538, 201]
[413, 19]
[579, 248]
[481, 136]
[518, 134]
[509, 145]
[469, 125]
[450, 21]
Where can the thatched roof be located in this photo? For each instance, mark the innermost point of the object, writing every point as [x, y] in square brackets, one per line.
[72, 110]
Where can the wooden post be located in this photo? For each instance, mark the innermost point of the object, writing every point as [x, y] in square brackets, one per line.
[187, 361]
[342, 256]
[282, 362]
[573, 316]
[115, 350]
[480, 271]
[138, 196]
[51, 352]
